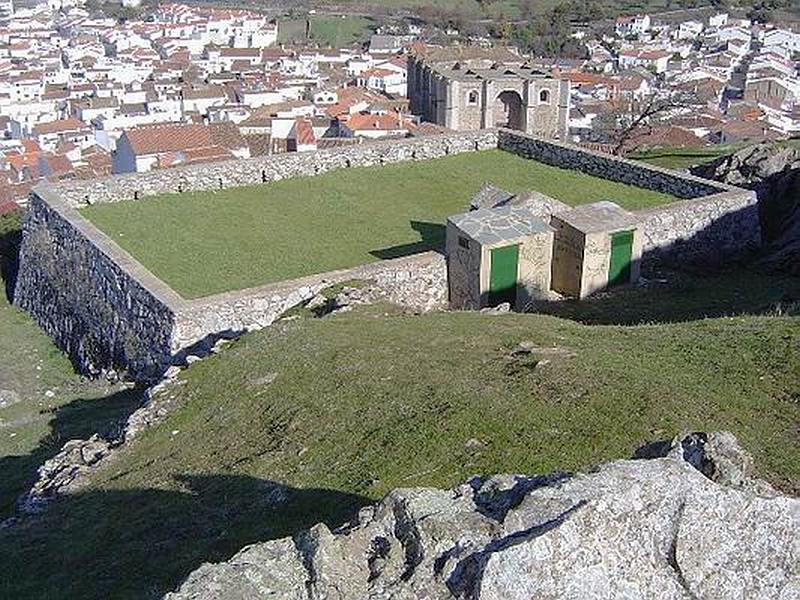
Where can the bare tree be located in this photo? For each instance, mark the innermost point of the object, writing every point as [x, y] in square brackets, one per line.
[637, 118]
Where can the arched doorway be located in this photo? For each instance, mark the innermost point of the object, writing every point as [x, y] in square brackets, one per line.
[508, 110]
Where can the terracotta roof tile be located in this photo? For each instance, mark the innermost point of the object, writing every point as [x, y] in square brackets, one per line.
[60, 126]
[175, 137]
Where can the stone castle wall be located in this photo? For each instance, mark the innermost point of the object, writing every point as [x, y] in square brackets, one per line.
[606, 166]
[107, 311]
[97, 303]
[712, 229]
[418, 282]
[714, 222]
[252, 171]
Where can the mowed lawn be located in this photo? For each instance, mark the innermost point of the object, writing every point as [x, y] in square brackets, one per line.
[208, 242]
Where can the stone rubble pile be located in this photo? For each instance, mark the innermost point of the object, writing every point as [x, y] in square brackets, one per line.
[630, 529]
[78, 459]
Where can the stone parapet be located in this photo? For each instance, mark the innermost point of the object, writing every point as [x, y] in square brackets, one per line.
[253, 171]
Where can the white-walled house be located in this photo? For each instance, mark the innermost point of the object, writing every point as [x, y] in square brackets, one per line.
[143, 148]
[199, 100]
[256, 97]
[689, 30]
[734, 32]
[654, 60]
[384, 80]
[325, 97]
[782, 37]
[49, 135]
[718, 20]
[632, 25]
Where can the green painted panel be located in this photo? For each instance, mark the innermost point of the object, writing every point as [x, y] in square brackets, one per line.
[619, 269]
[503, 275]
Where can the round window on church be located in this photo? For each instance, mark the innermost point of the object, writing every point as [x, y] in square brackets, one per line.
[473, 97]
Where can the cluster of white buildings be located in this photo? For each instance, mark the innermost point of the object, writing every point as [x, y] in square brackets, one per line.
[82, 96]
[85, 96]
[742, 78]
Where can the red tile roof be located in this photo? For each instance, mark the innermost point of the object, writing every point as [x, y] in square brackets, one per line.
[304, 132]
[385, 122]
[176, 137]
[8, 206]
[60, 126]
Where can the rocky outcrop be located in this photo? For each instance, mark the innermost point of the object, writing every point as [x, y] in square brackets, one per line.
[75, 461]
[647, 528]
[773, 171]
[78, 459]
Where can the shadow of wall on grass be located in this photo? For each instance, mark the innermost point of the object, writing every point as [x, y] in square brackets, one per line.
[141, 543]
[10, 238]
[690, 279]
[431, 238]
[78, 420]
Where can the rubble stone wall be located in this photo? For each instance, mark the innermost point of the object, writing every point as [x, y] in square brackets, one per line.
[252, 171]
[568, 156]
[716, 228]
[714, 221]
[99, 305]
[418, 282]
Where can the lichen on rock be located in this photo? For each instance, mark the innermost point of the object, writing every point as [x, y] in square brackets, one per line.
[647, 528]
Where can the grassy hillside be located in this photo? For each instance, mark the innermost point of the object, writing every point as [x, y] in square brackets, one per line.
[42, 402]
[342, 409]
[683, 158]
[330, 31]
[207, 242]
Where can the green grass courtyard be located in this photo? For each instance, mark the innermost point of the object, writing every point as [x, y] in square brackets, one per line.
[209, 242]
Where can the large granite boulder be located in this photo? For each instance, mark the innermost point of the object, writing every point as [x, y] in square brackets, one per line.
[632, 529]
[773, 171]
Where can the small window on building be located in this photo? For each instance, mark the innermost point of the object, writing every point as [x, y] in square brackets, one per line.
[463, 242]
[544, 97]
[473, 97]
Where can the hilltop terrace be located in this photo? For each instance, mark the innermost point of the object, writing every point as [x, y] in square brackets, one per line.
[128, 272]
[208, 242]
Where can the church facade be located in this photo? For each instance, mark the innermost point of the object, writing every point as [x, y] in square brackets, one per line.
[467, 88]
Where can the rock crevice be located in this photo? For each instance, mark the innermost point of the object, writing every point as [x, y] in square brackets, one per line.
[646, 528]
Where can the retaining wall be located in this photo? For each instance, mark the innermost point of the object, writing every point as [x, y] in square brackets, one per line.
[713, 229]
[251, 171]
[107, 311]
[715, 222]
[97, 303]
[418, 282]
[607, 166]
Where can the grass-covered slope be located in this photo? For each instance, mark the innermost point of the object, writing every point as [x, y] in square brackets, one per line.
[43, 403]
[208, 242]
[345, 408]
[328, 31]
